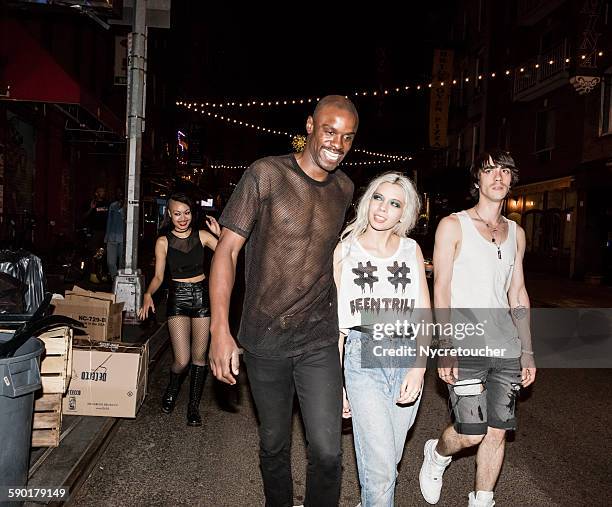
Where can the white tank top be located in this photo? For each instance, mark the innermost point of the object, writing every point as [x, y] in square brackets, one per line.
[481, 279]
[373, 289]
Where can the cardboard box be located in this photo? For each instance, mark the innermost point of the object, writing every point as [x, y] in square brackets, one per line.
[99, 311]
[108, 378]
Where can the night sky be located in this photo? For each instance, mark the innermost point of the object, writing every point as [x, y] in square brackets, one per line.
[302, 52]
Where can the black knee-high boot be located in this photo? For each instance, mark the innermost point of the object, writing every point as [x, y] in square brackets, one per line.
[196, 386]
[172, 391]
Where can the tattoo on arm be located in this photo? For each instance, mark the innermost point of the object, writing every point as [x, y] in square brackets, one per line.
[519, 312]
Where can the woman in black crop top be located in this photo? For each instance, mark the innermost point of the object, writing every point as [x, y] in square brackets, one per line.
[181, 250]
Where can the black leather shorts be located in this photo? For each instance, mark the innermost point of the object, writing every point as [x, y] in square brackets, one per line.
[189, 299]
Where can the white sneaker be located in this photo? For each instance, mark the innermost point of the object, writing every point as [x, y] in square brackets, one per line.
[481, 499]
[430, 476]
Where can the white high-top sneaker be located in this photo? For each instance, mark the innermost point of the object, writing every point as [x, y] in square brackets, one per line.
[481, 499]
[430, 476]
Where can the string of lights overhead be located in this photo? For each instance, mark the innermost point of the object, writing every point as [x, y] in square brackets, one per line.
[373, 162]
[213, 109]
[234, 121]
[397, 90]
[382, 155]
[230, 165]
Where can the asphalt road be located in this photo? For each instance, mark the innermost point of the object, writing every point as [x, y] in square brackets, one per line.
[560, 455]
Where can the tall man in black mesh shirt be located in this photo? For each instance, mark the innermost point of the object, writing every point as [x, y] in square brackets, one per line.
[290, 208]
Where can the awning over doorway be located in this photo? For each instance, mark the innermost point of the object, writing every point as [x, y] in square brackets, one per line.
[29, 73]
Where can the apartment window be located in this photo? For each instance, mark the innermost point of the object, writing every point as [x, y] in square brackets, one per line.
[606, 104]
[545, 131]
[475, 141]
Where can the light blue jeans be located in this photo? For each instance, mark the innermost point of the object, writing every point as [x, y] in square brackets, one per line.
[380, 425]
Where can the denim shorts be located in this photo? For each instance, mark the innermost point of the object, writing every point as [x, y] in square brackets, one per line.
[495, 406]
[189, 299]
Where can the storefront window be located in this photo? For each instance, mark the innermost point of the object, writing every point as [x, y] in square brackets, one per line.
[555, 199]
[533, 201]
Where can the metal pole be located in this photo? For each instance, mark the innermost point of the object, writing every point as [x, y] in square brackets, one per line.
[137, 65]
[128, 283]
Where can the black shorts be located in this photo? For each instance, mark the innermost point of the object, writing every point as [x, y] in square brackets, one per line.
[189, 299]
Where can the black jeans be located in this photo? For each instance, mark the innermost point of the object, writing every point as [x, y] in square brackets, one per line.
[317, 379]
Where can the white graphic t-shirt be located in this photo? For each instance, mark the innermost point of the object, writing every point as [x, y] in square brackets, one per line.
[376, 289]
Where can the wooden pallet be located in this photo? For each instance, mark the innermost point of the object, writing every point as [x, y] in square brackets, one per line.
[56, 364]
[47, 421]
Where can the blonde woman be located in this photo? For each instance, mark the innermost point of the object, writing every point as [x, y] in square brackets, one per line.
[379, 274]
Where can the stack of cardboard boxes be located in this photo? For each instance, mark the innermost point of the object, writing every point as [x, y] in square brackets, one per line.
[109, 378]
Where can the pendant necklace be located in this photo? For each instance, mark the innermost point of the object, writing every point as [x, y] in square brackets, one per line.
[492, 230]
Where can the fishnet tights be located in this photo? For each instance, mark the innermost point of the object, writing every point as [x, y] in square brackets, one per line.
[184, 347]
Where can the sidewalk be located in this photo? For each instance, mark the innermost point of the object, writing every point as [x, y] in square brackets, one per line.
[547, 291]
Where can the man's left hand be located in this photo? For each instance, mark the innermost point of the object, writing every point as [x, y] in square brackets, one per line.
[528, 370]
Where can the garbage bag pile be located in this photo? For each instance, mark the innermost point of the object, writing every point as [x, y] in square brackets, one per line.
[22, 282]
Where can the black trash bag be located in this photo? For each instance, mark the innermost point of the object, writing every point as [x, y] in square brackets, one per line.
[27, 268]
[11, 294]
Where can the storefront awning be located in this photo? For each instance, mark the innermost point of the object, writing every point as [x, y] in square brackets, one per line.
[29, 73]
[544, 186]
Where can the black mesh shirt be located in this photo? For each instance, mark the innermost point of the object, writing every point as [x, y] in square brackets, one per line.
[292, 223]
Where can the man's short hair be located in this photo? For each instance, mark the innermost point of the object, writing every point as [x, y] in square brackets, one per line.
[340, 102]
[489, 159]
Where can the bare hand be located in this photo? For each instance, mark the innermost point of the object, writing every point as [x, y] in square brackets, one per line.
[223, 357]
[411, 386]
[448, 369]
[346, 406]
[147, 303]
[528, 370]
[213, 225]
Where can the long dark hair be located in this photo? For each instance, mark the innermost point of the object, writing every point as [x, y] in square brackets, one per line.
[166, 225]
[490, 159]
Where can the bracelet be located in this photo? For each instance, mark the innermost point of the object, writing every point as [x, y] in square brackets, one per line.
[529, 352]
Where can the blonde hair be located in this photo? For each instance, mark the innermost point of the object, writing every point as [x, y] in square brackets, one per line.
[410, 212]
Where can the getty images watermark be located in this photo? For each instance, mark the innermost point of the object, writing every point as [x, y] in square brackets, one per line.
[560, 337]
[396, 334]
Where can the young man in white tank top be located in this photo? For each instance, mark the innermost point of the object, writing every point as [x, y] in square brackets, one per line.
[478, 263]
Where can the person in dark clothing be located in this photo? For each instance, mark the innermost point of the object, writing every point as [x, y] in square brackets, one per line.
[95, 219]
[181, 249]
[291, 209]
[96, 215]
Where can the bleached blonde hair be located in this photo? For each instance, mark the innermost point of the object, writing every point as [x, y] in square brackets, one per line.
[410, 212]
